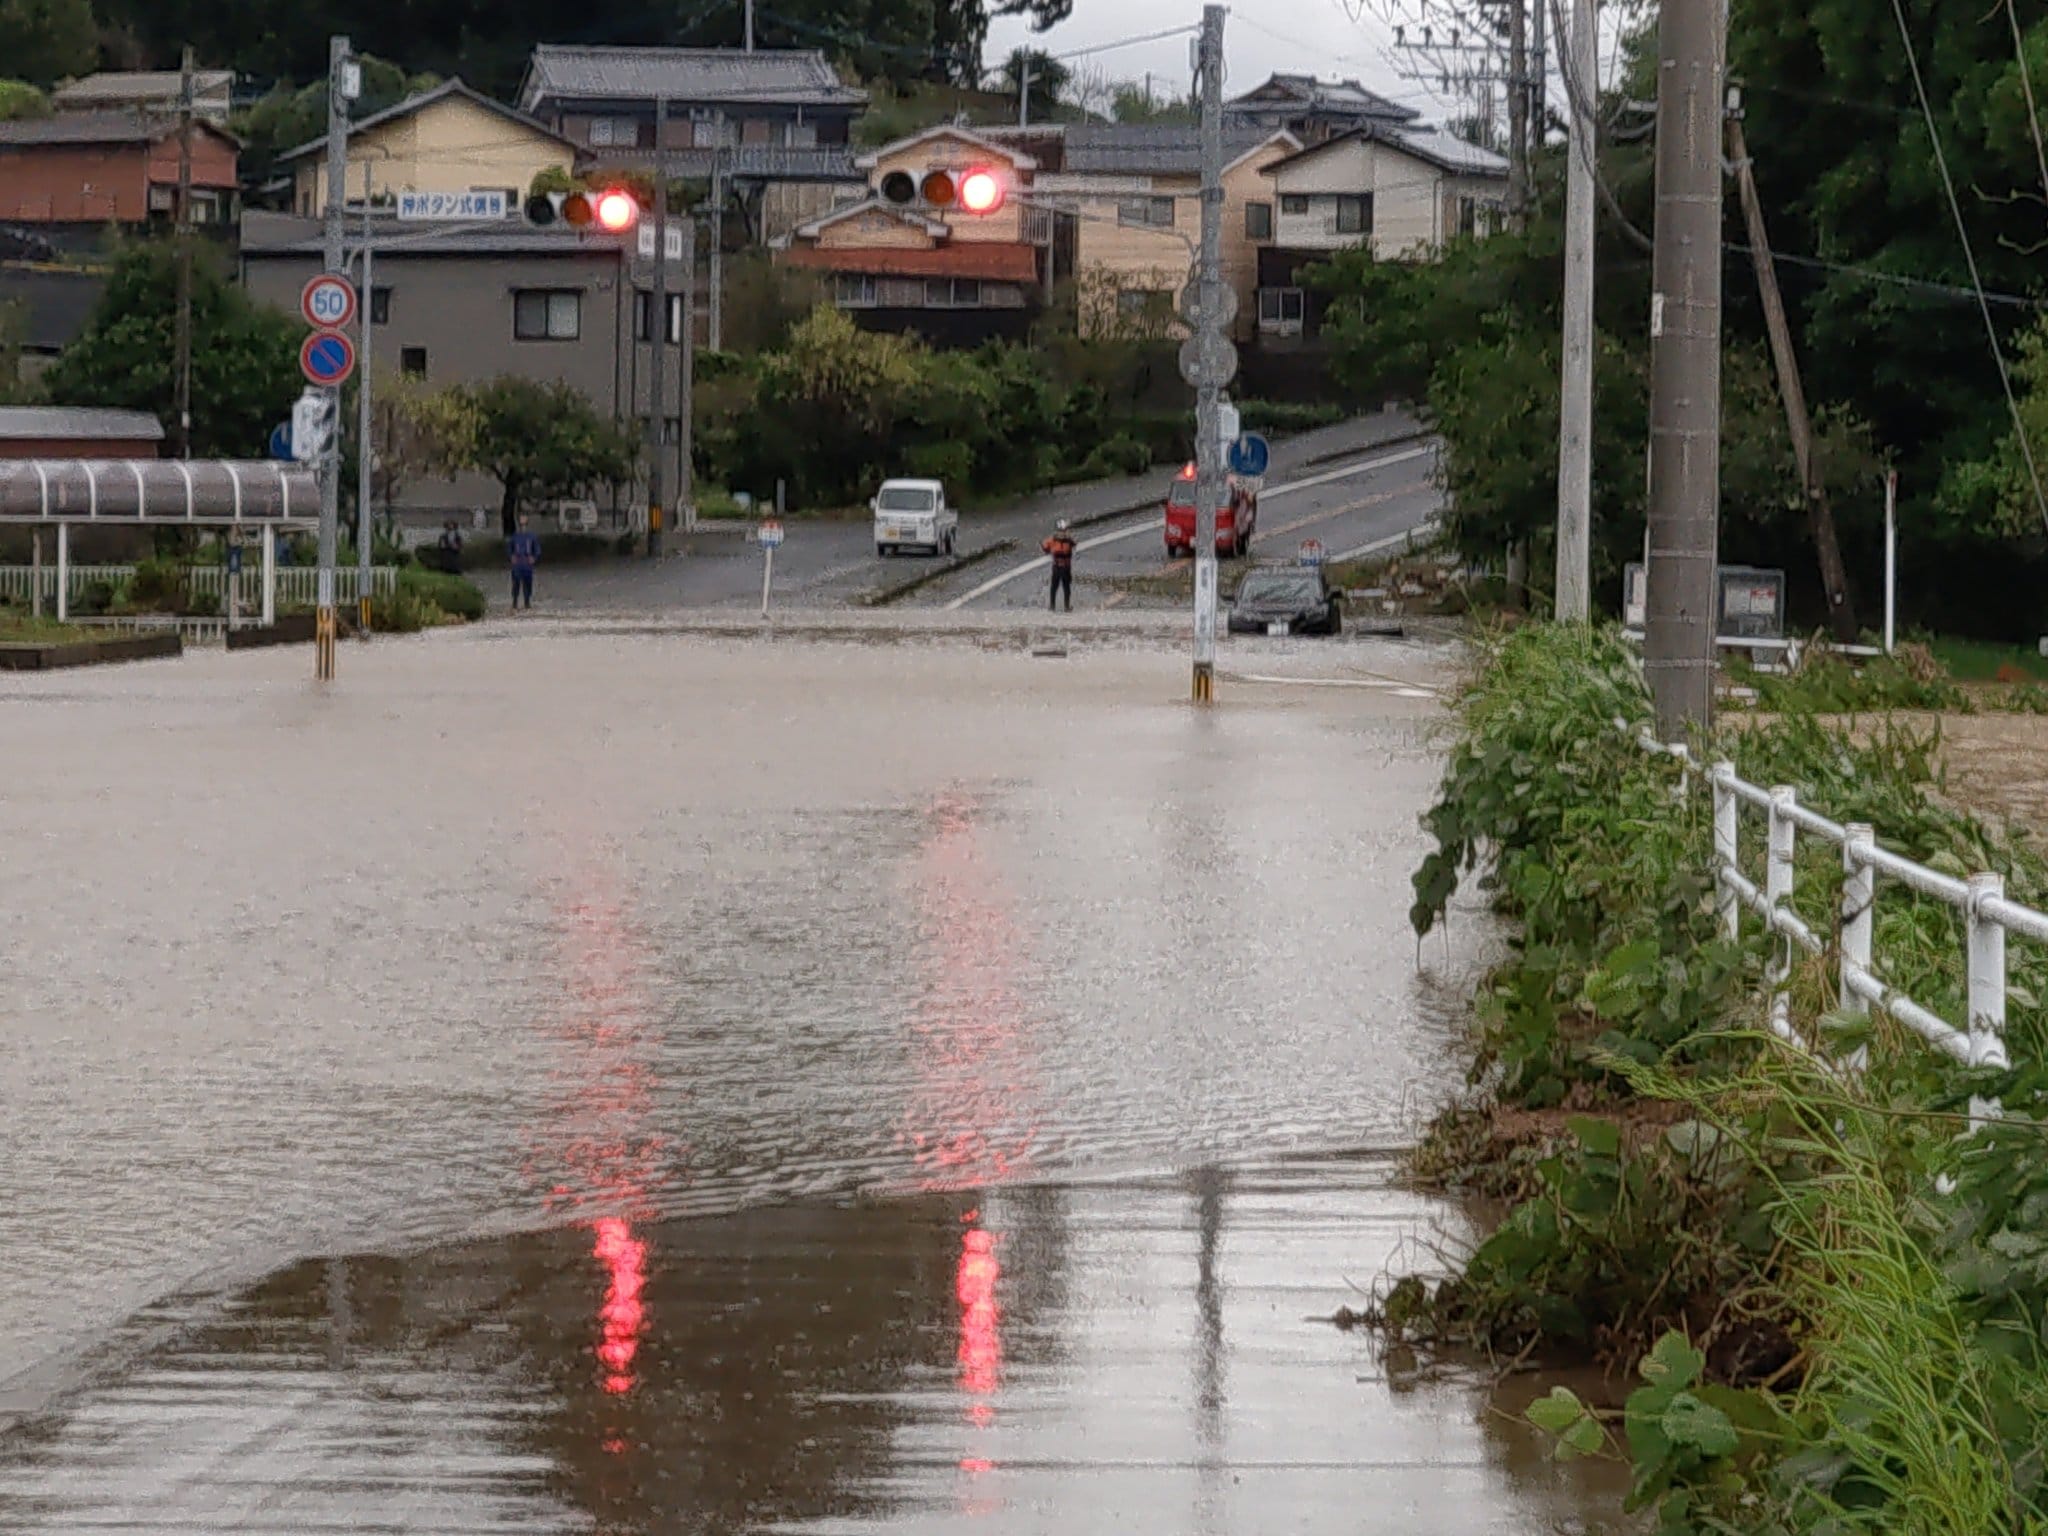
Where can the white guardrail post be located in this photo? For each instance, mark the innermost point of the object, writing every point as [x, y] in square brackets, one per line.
[1859, 924]
[1778, 896]
[1987, 986]
[1727, 824]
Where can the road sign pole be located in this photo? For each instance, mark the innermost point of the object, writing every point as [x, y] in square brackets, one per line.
[330, 479]
[767, 579]
[363, 456]
[1210, 379]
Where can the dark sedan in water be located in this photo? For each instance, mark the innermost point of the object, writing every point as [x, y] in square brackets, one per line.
[1286, 600]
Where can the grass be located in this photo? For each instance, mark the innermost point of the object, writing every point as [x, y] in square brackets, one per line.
[1985, 661]
[22, 629]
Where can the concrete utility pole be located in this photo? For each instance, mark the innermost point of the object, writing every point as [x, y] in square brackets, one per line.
[717, 336]
[686, 391]
[1820, 513]
[1575, 436]
[657, 328]
[1210, 373]
[364, 458]
[1518, 109]
[184, 339]
[1685, 370]
[750, 25]
[1024, 93]
[338, 62]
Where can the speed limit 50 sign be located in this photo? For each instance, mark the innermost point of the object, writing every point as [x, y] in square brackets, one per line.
[328, 301]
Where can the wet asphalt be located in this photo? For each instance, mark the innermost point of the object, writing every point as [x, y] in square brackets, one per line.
[583, 1076]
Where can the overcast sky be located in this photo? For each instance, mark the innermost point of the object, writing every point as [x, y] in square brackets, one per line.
[1259, 38]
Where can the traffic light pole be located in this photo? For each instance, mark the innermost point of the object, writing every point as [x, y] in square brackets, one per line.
[657, 329]
[330, 479]
[1210, 379]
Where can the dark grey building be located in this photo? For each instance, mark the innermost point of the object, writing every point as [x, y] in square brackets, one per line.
[461, 304]
[1313, 110]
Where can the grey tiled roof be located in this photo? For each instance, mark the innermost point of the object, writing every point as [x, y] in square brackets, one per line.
[158, 87]
[1441, 147]
[86, 128]
[79, 422]
[1313, 95]
[1149, 149]
[393, 241]
[783, 76]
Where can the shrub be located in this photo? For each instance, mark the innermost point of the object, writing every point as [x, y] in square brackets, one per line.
[158, 585]
[1122, 455]
[952, 464]
[456, 596]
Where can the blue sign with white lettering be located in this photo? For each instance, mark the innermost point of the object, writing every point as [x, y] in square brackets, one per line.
[1250, 455]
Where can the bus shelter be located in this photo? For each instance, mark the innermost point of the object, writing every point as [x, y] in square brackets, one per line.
[235, 494]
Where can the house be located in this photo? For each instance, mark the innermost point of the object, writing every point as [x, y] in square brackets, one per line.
[98, 168]
[448, 139]
[464, 303]
[1132, 192]
[1401, 191]
[954, 277]
[77, 432]
[148, 93]
[1313, 110]
[775, 123]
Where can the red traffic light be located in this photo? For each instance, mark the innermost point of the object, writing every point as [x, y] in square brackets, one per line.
[616, 211]
[981, 191]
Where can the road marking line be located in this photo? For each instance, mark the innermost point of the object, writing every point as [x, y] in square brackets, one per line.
[1426, 530]
[1378, 499]
[1154, 524]
[1404, 690]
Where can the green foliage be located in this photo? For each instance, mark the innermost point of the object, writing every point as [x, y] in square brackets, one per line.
[1132, 104]
[19, 99]
[442, 592]
[540, 441]
[288, 117]
[245, 371]
[421, 434]
[48, 41]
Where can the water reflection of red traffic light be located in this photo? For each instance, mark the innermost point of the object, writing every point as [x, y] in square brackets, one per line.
[623, 1315]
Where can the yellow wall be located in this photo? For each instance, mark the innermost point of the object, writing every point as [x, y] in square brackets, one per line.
[452, 146]
[873, 231]
[945, 152]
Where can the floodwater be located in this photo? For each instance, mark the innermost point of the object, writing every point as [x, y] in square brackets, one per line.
[599, 1080]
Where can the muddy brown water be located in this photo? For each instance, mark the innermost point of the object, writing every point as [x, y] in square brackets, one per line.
[570, 1079]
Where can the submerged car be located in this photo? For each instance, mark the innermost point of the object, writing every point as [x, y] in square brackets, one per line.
[1286, 600]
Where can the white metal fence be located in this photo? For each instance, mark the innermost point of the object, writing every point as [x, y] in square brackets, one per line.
[1988, 917]
[296, 584]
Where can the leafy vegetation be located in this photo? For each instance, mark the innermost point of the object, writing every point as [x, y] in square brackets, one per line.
[539, 441]
[1827, 1343]
[48, 41]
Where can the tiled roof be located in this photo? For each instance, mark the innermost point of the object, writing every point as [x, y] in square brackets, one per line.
[158, 87]
[94, 128]
[424, 99]
[989, 260]
[79, 423]
[1149, 149]
[1310, 94]
[1436, 146]
[685, 76]
[277, 235]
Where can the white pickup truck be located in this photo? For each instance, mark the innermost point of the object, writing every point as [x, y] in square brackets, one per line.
[914, 514]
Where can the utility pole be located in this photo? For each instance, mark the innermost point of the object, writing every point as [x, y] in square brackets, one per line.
[1581, 59]
[686, 403]
[1518, 110]
[750, 25]
[717, 336]
[1685, 370]
[364, 458]
[339, 66]
[184, 338]
[657, 328]
[1024, 77]
[1539, 76]
[1820, 513]
[1213, 360]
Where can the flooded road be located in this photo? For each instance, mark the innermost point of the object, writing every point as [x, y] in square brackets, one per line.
[759, 1085]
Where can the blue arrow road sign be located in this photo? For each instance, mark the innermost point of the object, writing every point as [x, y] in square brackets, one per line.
[281, 440]
[327, 358]
[1249, 455]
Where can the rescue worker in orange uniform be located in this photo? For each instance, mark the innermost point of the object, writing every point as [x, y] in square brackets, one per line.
[1061, 547]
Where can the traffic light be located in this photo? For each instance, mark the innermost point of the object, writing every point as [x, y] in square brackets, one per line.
[614, 210]
[979, 189]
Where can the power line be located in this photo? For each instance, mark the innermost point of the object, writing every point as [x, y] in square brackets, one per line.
[1970, 255]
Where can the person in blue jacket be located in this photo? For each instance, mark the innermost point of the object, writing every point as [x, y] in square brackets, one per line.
[525, 551]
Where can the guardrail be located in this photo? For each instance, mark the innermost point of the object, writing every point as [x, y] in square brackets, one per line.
[1988, 917]
[296, 584]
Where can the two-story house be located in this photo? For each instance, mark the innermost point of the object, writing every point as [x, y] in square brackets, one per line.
[1313, 110]
[956, 278]
[91, 169]
[1133, 195]
[775, 124]
[1399, 191]
[449, 139]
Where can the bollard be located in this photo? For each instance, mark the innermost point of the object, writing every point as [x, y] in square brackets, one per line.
[1987, 988]
[1777, 894]
[1859, 901]
[1727, 822]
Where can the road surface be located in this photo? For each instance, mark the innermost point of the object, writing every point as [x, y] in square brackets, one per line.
[603, 1077]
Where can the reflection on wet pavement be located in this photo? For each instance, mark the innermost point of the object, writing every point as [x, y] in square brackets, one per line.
[1115, 1357]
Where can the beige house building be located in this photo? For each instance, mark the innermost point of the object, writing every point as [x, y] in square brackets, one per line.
[447, 140]
[1133, 194]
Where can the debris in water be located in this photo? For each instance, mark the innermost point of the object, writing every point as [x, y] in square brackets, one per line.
[1056, 652]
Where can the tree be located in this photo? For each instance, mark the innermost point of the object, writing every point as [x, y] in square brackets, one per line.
[1049, 79]
[422, 434]
[286, 117]
[1135, 103]
[45, 41]
[541, 440]
[19, 99]
[245, 370]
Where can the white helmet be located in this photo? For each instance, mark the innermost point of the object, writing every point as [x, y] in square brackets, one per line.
[1060, 526]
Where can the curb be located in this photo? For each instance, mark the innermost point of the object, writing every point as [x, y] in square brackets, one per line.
[884, 596]
[1399, 439]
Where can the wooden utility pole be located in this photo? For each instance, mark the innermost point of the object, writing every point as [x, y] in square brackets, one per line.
[184, 227]
[1685, 371]
[1820, 513]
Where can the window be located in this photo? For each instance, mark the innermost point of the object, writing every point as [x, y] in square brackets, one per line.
[1258, 221]
[952, 293]
[675, 319]
[380, 306]
[614, 133]
[1294, 205]
[412, 361]
[1282, 310]
[547, 314]
[803, 135]
[1145, 212]
[1354, 214]
[643, 316]
[672, 429]
[855, 290]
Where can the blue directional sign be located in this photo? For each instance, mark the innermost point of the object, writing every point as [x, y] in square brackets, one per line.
[327, 358]
[281, 440]
[1250, 455]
